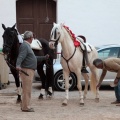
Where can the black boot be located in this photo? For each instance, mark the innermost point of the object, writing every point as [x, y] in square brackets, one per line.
[85, 54]
[84, 70]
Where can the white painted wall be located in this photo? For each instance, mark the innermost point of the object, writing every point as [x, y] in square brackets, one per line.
[97, 20]
[7, 15]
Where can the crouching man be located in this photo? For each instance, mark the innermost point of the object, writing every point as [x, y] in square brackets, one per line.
[112, 65]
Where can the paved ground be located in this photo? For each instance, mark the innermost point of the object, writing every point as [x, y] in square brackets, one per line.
[53, 110]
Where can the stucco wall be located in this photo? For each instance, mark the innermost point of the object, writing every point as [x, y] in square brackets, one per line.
[7, 15]
[98, 20]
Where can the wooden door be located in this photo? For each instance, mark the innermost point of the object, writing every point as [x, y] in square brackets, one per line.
[31, 15]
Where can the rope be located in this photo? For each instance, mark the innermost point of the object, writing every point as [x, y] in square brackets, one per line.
[47, 18]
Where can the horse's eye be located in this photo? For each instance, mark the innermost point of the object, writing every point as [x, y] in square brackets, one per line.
[58, 33]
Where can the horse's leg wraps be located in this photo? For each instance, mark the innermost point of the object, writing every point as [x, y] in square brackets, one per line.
[50, 89]
[19, 90]
[42, 91]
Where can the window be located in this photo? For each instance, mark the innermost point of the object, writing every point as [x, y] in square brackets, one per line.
[108, 52]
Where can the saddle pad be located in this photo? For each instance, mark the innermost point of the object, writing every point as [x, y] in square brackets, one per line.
[36, 44]
[83, 45]
[20, 38]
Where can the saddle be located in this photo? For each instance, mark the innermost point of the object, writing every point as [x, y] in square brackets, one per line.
[84, 44]
[86, 47]
[36, 44]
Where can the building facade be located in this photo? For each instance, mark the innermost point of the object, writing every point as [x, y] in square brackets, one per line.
[97, 20]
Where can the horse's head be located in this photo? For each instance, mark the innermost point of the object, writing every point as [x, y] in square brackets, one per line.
[56, 34]
[9, 37]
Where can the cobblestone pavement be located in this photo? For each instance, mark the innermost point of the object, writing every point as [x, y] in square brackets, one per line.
[52, 109]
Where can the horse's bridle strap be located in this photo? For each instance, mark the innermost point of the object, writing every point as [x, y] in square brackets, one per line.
[6, 46]
[56, 42]
[67, 60]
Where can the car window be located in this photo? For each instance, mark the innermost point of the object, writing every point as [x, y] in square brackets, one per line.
[108, 52]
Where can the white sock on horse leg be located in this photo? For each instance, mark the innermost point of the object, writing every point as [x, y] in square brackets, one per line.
[81, 94]
[50, 89]
[42, 91]
[67, 96]
[19, 90]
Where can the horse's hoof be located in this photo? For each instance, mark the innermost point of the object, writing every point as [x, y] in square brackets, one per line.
[18, 101]
[97, 100]
[81, 104]
[49, 93]
[40, 96]
[64, 102]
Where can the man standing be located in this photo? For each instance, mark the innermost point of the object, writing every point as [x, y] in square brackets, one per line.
[27, 62]
[112, 65]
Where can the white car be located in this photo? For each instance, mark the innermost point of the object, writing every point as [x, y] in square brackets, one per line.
[104, 52]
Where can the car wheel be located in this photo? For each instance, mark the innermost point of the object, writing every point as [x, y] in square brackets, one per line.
[60, 83]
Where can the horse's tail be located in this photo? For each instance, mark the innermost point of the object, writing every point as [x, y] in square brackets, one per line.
[94, 81]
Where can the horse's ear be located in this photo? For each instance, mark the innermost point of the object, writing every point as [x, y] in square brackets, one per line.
[61, 24]
[54, 23]
[13, 27]
[3, 26]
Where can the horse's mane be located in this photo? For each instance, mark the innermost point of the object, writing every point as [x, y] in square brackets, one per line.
[15, 47]
[72, 35]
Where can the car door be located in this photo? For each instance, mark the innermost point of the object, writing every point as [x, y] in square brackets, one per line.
[106, 53]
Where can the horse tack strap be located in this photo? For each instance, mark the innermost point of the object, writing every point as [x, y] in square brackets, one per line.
[67, 60]
[56, 41]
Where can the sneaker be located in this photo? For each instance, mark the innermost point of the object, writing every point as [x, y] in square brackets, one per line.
[29, 110]
[115, 102]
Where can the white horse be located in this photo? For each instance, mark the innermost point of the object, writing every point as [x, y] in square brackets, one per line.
[71, 60]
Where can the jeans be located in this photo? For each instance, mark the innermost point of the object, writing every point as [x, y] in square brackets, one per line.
[117, 91]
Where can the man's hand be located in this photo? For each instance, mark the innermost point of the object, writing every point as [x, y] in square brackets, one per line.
[18, 68]
[116, 81]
